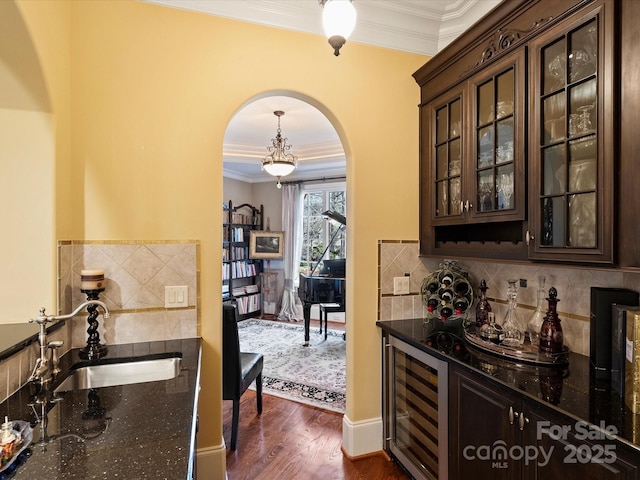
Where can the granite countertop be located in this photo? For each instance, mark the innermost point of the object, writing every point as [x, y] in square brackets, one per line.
[569, 390]
[16, 336]
[138, 431]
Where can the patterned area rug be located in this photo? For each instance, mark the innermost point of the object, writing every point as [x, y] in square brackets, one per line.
[314, 375]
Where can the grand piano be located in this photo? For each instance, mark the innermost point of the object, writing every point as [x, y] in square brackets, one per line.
[328, 286]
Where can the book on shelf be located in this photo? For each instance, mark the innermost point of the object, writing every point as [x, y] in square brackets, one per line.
[245, 290]
[238, 234]
[241, 269]
[248, 304]
[242, 218]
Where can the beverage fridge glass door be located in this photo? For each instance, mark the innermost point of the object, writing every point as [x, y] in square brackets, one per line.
[415, 405]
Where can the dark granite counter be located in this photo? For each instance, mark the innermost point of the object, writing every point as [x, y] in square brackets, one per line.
[569, 390]
[137, 431]
[16, 336]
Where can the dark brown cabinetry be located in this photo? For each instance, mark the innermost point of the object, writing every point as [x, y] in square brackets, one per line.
[496, 433]
[481, 417]
[571, 150]
[478, 148]
[522, 153]
[572, 449]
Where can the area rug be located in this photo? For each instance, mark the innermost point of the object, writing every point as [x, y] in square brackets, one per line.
[314, 375]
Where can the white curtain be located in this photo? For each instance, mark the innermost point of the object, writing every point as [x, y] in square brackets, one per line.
[291, 308]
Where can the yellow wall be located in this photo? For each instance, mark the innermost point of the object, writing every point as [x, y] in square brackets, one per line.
[34, 139]
[152, 91]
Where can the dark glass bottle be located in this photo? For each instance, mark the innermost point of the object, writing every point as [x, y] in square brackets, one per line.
[460, 305]
[446, 294]
[432, 287]
[551, 337]
[446, 310]
[446, 278]
[484, 307]
[432, 303]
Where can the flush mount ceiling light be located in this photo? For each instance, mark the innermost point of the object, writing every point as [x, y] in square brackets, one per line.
[279, 162]
[338, 20]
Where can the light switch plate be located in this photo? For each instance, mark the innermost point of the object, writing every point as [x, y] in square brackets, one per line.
[176, 296]
[401, 285]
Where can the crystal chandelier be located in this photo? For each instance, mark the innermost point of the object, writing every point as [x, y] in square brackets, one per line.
[338, 20]
[279, 162]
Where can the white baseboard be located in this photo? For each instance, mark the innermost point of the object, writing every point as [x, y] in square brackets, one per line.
[212, 463]
[361, 438]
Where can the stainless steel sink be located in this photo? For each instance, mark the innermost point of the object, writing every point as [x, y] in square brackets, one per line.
[126, 373]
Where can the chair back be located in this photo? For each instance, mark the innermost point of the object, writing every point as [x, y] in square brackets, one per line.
[231, 366]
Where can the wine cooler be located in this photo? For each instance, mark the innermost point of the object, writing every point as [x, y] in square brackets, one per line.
[415, 409]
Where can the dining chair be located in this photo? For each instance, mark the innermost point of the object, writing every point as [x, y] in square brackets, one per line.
[239, 369]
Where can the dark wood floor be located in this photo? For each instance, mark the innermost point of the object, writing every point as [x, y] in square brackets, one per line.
[292, 441]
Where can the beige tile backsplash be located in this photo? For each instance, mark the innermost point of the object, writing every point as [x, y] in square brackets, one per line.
[396, 258]
[135, 276]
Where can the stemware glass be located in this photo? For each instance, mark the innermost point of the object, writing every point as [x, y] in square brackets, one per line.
[584, 125]
[506, 190]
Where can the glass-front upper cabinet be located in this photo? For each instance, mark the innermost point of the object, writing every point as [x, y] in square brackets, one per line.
[446, 146]
[571, 160]
[497, 151]
[477, 147]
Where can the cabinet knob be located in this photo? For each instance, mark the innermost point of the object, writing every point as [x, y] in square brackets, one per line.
[522, 421]
[529, 237]
[468, 206]
[461, 206]
[511, 415]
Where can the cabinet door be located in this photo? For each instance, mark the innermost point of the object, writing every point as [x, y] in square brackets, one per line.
[572, 139]
[571, 450]
[482, 429]
[443, 152]
[496, 164]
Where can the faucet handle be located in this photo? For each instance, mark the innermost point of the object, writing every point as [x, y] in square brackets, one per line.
[55, 361]
[41, 319]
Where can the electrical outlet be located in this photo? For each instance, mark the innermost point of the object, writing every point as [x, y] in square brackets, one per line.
[401, 285]
[176, 297]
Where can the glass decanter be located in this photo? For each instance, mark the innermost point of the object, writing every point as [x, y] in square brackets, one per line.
[513, 335]
[551, 336]
[535, 322]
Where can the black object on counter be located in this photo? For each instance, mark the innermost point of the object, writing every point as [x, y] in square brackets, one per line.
[601, 328]
[551, 336]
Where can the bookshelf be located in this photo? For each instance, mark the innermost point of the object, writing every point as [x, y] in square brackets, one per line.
[240, 274]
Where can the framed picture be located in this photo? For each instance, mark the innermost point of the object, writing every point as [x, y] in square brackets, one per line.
[266, 245]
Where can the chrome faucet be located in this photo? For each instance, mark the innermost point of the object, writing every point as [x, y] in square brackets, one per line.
[45, 368]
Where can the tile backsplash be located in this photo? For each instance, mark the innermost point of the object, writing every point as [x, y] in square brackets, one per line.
[397, 258]
[136, 273]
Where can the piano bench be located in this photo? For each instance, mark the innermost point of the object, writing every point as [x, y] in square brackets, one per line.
[328, 308]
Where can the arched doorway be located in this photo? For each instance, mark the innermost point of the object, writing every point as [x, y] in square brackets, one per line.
[314, 139]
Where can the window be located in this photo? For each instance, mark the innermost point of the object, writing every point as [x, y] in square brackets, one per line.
[317, 231]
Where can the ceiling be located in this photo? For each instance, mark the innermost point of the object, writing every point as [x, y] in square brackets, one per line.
[416, 26]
